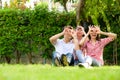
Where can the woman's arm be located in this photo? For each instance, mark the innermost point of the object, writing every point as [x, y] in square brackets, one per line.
[75, 40]
[109, 34]
[85, 38]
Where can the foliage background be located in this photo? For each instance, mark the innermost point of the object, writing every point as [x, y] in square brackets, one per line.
[28, 31]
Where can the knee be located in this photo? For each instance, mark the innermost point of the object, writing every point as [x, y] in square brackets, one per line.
[69, 54]
[78, 52]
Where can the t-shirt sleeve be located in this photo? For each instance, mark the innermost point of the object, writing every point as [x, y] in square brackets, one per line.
[57, 41]
[107, 40]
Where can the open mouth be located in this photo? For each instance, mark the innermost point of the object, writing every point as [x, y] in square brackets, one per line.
[94, 35]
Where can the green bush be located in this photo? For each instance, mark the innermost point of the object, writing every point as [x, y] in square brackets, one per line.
[29, 31]
[106, 14]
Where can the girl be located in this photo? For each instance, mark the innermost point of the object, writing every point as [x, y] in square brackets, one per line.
[94, 47]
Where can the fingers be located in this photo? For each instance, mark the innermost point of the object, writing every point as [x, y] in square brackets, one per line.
[94, 28]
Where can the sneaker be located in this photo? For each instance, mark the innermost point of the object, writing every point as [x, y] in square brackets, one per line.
[57, 62]
[85, 65]
[64, 60]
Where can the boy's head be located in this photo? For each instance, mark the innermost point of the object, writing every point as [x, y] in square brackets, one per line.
[68, 29]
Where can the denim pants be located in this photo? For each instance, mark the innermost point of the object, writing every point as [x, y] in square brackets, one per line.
[69, 56]
[82, 59]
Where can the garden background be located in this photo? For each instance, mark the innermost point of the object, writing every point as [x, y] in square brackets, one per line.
[25, 33]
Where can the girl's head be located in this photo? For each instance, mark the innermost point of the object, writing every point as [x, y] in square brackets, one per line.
[94, 33]
[79, 31]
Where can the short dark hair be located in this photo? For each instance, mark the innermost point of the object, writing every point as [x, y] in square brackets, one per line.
[68, 26]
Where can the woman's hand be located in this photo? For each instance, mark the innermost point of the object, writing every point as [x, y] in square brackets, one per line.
[98, 29]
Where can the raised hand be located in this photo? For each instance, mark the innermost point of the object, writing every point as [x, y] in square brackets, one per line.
[65, 30]
[98, 29]
[90, 28]
[83, 30]
[73, 34]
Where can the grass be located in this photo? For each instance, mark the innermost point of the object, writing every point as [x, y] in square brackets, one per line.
[48, 72]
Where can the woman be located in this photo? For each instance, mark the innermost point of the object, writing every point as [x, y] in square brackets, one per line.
[94, 47]
[79, 34]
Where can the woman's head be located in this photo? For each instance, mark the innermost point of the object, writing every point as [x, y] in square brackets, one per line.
[94, 33]
[79, 31]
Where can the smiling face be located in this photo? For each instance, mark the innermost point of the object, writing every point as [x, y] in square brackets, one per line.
[93, 33]
[79, 31]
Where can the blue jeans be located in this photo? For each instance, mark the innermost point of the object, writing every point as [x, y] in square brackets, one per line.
[95, 62]
[90, 60]
[81, 58]
[69, 56]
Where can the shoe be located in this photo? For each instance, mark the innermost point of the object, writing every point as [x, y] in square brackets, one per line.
[64, 60]
[57, 62]
[85, 65]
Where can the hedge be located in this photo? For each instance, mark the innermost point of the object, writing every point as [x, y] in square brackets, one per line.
[28, 31]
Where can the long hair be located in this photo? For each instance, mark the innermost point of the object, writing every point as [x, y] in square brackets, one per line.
[97, 38]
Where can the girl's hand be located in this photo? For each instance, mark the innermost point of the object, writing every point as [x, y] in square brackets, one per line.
[83, 31]
[90, 29]
[98, 29]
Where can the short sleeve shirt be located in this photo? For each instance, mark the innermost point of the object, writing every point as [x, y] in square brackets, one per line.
[63, 48]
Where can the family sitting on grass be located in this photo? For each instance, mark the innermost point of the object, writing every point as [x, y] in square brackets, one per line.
[80, 48]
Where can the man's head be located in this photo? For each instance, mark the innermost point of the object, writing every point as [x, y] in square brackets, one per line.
[68, 29]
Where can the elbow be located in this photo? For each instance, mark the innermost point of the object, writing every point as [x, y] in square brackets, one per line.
[50, 39]
[115, 36]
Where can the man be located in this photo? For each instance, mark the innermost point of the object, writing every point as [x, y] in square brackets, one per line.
[64, 47]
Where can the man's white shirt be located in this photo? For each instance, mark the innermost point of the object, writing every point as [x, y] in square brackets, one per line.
[63, 48]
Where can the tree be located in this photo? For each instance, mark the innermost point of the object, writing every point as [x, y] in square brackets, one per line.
[62, 2]
[105, 13]
[79, 9]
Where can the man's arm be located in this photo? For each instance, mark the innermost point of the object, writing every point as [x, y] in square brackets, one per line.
[54, 38]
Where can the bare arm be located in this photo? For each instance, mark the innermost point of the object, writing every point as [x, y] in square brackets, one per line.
[75, 40]
[109, 34]
[54, 38]
[85, 38]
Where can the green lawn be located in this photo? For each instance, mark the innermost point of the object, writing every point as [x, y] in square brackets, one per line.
[48, 72]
